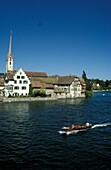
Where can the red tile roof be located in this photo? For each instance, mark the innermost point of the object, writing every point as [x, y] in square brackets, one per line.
[11, 73]
[37, 84]
[35, 74]
[66, 79]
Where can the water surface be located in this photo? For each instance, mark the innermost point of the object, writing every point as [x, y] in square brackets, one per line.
[30, 138]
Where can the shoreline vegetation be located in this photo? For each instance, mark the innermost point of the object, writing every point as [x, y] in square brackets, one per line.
[95, 85]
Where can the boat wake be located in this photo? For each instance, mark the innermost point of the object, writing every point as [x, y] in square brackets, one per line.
[72, 132]
[76, 131]
[100, 125]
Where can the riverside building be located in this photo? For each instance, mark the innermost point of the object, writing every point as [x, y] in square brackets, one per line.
[17, 82]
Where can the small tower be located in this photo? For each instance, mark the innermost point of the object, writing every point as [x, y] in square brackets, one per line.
[9, 58]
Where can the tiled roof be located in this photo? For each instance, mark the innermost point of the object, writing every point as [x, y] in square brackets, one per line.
[45, 80]
[54, 76]
[10, 74]
[82, 80]
[37, 84]
[60, 80]
[66, 79]
[35, 74]
[9, 56]
[1, 81]
[58, 90]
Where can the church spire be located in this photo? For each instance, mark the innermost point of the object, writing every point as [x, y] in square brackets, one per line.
[10, 46]
[9, 58]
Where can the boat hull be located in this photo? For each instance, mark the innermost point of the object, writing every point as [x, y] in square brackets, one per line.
[77, 128]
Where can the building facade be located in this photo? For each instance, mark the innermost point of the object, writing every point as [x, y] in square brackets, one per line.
[17, 82]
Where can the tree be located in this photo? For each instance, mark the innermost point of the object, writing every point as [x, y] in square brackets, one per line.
[107, 83]
[88, 85]
[30, 90]
[84, 76]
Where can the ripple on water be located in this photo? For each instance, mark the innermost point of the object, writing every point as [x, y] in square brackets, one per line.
[29, 137]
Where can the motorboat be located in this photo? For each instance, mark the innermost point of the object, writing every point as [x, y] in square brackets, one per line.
[77, 127]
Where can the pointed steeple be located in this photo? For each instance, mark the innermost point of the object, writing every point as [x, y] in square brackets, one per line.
[10, 46]
[9, 58]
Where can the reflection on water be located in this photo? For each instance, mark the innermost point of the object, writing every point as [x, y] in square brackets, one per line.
[29, 137]
[15, 111]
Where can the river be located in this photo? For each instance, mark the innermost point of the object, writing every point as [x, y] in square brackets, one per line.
[30, 134]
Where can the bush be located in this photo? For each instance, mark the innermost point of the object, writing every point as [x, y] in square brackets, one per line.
[88, 93]
[35, 93]
[42, 92]
[48, 95]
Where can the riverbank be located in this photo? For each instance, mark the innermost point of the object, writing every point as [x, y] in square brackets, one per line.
[27, 99]
[101, 90]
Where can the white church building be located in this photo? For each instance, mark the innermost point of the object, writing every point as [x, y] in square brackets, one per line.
[17, 82]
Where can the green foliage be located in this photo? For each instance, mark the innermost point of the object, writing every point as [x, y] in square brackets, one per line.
[40, 92]
[48, 95]
[2, 74]
[109, 87]
[30, 90]
[35, 93]
[88, 93]
[89, 90]
[84, 76]
[88, 85]
[103, 85]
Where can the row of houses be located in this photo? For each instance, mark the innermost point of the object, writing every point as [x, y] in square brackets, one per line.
[17, 82]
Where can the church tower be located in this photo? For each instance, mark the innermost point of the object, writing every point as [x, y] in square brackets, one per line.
[9, 58]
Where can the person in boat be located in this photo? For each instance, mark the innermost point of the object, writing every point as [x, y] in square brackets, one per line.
[87, 124]
[72, 127]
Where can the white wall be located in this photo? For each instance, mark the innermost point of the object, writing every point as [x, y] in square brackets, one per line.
[21, 81]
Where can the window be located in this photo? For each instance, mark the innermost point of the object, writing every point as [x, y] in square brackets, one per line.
[15, 81]
[10, 87]
[23, 88]
[22, 77]
[16, 88]
[18, 77]
[20, 73]
[20, 81]
[25, 82]
[10, 63]
[6, 81]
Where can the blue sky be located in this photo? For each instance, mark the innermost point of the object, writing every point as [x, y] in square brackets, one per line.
[57, 36]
